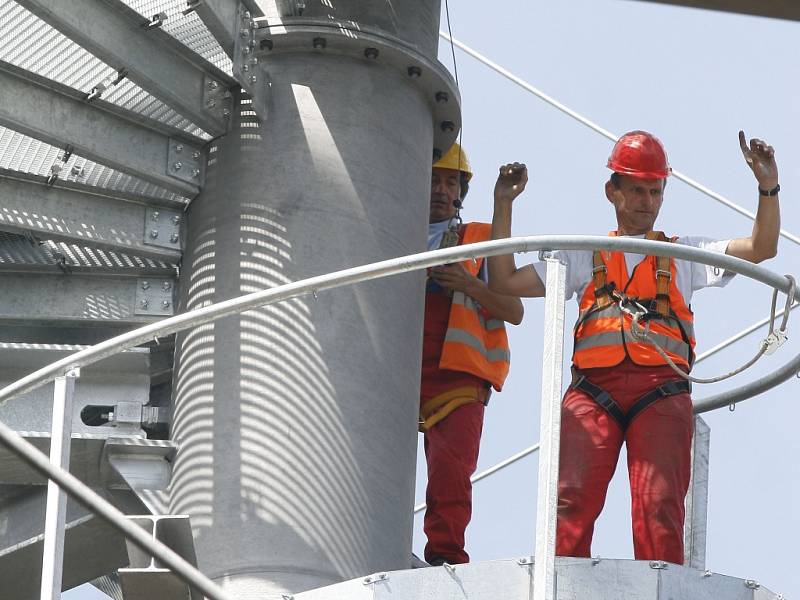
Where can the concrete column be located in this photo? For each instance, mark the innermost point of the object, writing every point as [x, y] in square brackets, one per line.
[297, 422]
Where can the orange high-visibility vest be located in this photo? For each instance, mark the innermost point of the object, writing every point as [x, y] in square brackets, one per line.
[602, 332]
[475, 342]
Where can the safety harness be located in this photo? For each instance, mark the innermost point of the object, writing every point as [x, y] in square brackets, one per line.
[604, 399]
[659, 308]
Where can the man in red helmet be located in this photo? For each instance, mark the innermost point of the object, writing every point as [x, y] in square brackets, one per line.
[464, 354]
[623, 389]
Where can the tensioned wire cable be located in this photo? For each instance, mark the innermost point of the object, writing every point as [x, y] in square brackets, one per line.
[604, 132]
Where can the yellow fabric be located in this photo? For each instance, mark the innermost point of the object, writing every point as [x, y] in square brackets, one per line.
[439, 407]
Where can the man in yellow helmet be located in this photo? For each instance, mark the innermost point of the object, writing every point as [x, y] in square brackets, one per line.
[465, 354]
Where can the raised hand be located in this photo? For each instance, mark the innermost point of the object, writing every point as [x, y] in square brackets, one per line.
[511, 182]
[760, 157]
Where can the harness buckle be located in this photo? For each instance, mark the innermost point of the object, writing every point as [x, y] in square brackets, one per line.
[663, 273]
[598, 268]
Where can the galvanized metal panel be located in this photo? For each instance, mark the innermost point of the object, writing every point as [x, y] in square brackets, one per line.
[86, 217]
[19, 152]
[696, 522]
[32, 44]
[69, 298]
[152, 58]
[58, 115]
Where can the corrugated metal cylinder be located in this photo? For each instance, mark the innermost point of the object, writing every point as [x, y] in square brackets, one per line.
[297, 422]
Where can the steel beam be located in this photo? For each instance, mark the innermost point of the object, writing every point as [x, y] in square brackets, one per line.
[87, 216]
[107, 134]
[56, 511]
[151, 58]
[220, 18]
[696, 522]
[544, 584]
[777, 9]
[70, 298]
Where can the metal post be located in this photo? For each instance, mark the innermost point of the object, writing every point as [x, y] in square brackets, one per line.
[549, 432]
[695, 524]
[55, 518]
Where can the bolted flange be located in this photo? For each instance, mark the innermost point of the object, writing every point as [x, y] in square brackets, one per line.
[261, 37]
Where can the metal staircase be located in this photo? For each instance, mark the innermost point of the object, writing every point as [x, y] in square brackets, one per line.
[104, 121]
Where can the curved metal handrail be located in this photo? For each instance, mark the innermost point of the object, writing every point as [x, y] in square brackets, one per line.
[187, 572]
[395, 266]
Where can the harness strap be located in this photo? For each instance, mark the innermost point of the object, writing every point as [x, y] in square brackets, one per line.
[663, 275]
[602, 293]
[604, 399]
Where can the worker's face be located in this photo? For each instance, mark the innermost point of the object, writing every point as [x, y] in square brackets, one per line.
[637, 202]
[445, 190]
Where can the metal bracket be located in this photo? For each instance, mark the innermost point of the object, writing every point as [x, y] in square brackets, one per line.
[245, 68]
[751, 584]
[375, 578]
[526, 560]
[658, 564]
[154, 297]
[185, 162]
[217, 99]
[162, 228]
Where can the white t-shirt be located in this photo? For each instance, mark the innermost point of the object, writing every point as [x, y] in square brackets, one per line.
[690, 276]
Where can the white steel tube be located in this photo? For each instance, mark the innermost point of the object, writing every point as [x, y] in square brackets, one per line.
[56, 507]
[597, 128]
[549, 432]
[106, 511]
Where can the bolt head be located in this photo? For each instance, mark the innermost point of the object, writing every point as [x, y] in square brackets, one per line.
[196, 154]
[145, 285]
[245, 68]
[319, 43]
[154, 216]
[177, 166]
[414, 71]
[176, 220]
[166, 286]
[179, 148]
[246, 50]
[144, 303]
[154, 233]
[165, 303]
[448, 126]
[253, 78]
[212, 85]
[226, 112]
[265, 44]
[371, 53]
[254, 61]
[246, 15]
[442, 97]
[195, 173]
[211, 103]
[244, 33]
[174, 238]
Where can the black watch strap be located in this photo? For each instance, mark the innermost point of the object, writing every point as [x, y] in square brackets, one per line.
[773, 192]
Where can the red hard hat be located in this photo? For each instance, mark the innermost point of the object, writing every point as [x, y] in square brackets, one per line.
[639, 154]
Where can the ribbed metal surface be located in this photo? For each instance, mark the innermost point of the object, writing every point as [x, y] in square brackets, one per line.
[19, 152]
[19, 250]
[31, 44]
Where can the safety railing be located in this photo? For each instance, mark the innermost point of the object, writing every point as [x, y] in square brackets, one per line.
[551, 380]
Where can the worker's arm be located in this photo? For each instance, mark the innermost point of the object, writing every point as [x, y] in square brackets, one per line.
[500, 306]
[763, 241]
[504, 276]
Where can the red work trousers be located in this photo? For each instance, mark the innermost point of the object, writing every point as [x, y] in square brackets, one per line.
[451, 451]
[659, 449]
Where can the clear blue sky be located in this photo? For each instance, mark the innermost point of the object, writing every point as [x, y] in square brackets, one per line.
[694, 78]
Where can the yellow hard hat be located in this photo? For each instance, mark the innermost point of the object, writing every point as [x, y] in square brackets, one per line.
[455, 159]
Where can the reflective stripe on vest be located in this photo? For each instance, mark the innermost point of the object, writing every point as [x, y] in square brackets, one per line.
[603, 337]
[475, 343]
